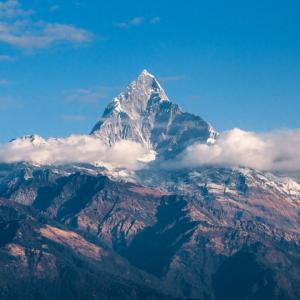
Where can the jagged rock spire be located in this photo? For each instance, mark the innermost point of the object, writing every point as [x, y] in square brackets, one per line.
[144, 114]
[134, 100]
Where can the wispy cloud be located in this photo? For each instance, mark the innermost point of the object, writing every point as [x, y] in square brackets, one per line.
[8, 102]
[73, 118]
[18, 28]
[6, 58]
[137, 21]
[12, 9]
[134, 22]
[54, 8]
[4, 82]
[155, 20]
[85, 96]
[171, 78]
[272, 151]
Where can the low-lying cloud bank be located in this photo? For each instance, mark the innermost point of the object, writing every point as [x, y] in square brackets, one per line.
[272, 151]
[73, 149]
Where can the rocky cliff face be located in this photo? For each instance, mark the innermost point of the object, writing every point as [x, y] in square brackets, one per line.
[42, 259]
[144, 114]
[196, 232]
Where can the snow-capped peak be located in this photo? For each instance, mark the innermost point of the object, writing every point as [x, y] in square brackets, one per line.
[33, 139]
[141, 93]
[144, 114]
[146, 74]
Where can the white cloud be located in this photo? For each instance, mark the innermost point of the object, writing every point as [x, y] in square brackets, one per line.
[85, 95]
[18, 28]
[155, 20]
[12, 9]
[137, 21]
[273, 151]
[6, 58]
[41, 35]
[73, 118]
[8, 102]
[54, 8]
[73, 149]
[134, 22]
[4, 82]
[172, 78]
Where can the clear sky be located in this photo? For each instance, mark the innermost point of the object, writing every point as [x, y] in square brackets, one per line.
[235, 63]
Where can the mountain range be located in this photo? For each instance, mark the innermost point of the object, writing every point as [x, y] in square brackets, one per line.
[94, 230]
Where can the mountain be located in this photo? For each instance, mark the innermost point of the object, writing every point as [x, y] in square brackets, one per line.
[210, 233]
[41, 259]
[190, 232]
[144, 114]
[33, 139]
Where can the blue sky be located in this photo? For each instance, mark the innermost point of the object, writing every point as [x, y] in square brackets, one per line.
[235, 63]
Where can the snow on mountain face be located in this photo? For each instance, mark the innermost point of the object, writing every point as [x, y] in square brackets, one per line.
[33, 139]
[142, 117]
[144, 114]
[122, 117]
[135, 99]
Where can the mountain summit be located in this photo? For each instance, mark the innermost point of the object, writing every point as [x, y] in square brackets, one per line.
[135, 99]
[144, 114]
